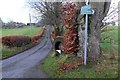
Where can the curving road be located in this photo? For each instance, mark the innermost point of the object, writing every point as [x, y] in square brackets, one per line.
[27, 63]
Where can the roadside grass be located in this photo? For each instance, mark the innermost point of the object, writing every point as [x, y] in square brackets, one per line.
[106, 68]
[26, 31]
[7, 51]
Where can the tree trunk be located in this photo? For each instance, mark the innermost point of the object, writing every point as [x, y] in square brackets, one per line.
[95, 24]
[57, 31]
[94, 30]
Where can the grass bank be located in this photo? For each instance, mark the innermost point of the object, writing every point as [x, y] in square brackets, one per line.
[107, 68]
[26, 31]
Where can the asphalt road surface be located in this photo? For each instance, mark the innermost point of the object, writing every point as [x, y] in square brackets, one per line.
[27, 64]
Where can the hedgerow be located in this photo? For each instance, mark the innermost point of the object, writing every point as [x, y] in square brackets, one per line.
[19, 41]
[16, 41]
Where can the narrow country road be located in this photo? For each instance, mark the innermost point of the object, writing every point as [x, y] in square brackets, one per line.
[27, 63]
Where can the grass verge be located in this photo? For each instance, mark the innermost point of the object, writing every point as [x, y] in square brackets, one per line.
[7, 51]
[107, 68]
[26, 31]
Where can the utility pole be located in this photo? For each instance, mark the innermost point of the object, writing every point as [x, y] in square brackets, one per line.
[30, 22]
[30, 18]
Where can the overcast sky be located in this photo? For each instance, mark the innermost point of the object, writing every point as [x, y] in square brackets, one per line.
[18, 11]
[15, 10]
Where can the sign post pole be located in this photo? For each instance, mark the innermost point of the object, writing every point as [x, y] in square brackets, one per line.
[86, 10]
[86, 28]
[85, 47]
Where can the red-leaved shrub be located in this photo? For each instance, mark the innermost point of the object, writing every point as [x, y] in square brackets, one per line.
[16, 41]
[71, 39]
[19, 41]
[37, 36]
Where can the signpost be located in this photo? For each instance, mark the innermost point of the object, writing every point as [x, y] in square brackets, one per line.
[86, 10]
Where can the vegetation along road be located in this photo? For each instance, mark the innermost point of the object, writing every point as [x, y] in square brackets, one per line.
[24, 65]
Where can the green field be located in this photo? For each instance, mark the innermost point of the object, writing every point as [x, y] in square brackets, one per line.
[29, 31]
[26, 31]
[106, 68]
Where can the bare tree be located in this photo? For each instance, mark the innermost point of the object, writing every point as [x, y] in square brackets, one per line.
[49, 12]
[94, 29]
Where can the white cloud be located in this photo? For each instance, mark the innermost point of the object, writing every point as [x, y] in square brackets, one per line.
[14, 10]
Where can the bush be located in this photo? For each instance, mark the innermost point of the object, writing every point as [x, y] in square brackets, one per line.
[12, 25]
[71, 38]
[37, 36]
[16, 41]
[19, 41]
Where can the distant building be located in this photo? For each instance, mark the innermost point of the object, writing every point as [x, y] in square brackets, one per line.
[20, 24]
[32, 24]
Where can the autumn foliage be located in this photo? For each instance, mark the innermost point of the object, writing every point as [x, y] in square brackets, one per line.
[71, 41]
[37, 36]
[70, 66]
[19, 41]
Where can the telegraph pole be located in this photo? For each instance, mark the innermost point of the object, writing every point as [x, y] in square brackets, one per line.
[30, 18]
[30, 22]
